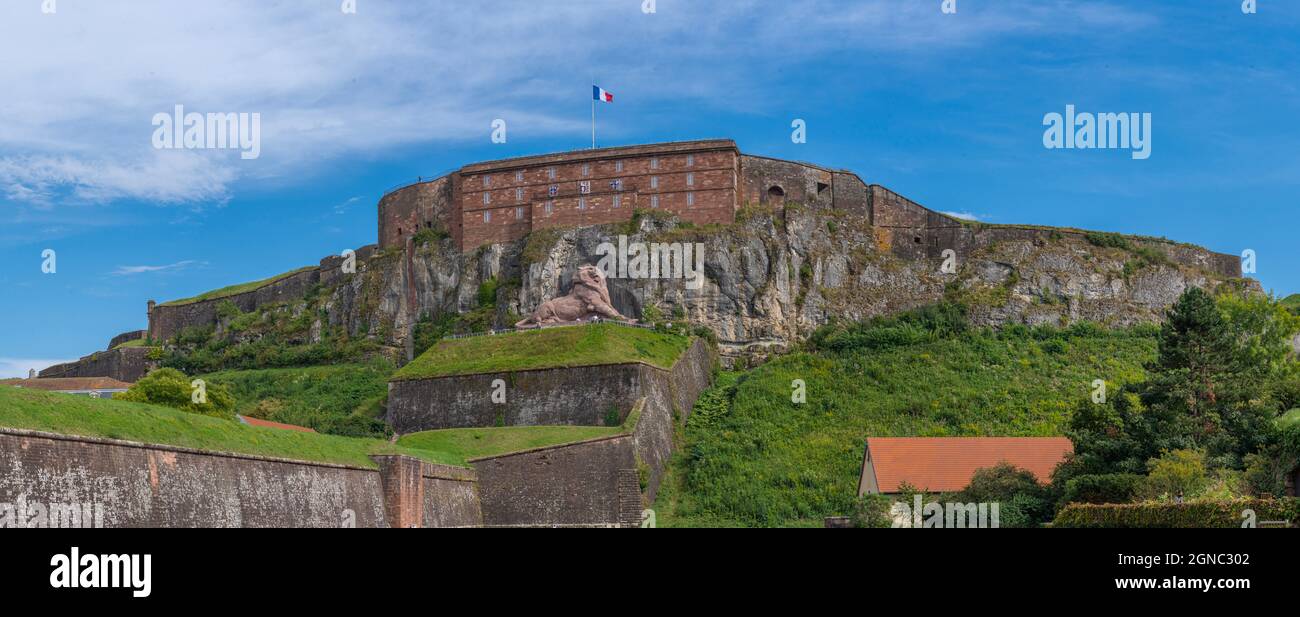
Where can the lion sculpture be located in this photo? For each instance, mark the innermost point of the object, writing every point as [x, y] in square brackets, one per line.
[588, 298]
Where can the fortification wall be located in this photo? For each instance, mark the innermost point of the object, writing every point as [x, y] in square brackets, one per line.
[590, 483]
[423, 205]
[669, 398]
[166, 321]
[126, 337]
[140, 485]
[775, 181]
[127, 364]
[577, 396]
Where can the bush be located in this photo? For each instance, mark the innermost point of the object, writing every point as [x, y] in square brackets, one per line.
[1193, 514]
[1102, 488]
[171, 388]
[1023, 502]
[1177, 473]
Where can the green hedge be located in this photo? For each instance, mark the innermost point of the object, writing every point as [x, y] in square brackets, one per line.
[1190, 514]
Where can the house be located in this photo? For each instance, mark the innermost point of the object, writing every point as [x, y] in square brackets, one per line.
[94, 387]
[269, 424]
[946, 464]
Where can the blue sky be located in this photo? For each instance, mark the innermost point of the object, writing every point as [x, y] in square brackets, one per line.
[946, 109]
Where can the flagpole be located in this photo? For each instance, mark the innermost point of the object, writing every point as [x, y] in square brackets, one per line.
[593, 117]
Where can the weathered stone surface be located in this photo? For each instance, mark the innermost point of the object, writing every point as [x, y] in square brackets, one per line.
[141, 485]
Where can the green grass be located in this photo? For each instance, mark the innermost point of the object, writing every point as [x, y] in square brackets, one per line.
[77, 415]
[139, 342]
[546, 348]
[1292, 303]
[468, 443]
[341, 399]
[233, 290]
[754, 458]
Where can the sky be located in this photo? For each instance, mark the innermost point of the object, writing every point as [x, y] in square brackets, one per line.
[945, 108]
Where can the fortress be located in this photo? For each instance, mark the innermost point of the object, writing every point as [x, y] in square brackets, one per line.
[701, 182]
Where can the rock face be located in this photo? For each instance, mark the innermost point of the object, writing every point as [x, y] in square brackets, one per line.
[768, 280]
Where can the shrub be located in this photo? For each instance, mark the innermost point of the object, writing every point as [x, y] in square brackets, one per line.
[1023, 502]
[1176, 473]
[1102, 488]
[171, 388]
[1192, 514]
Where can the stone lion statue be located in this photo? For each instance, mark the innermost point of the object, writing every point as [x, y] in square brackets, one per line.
[588, 298]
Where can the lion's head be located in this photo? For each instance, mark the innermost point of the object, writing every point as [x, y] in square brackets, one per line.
[591, 276]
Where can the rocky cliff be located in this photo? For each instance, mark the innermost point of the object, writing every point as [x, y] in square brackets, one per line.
[770, 279]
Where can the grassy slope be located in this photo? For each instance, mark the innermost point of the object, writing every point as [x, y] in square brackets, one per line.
[468, 443]
[318, 396]
[546, 348]
[755, 458]
[226, 292]
[76, 415]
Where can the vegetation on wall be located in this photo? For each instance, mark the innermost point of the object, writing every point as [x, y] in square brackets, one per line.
[234, 290]
[171, 388]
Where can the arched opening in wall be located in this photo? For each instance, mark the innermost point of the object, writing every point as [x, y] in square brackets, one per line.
[775, 194]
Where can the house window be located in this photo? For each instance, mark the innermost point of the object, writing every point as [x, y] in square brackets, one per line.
[487, 198]
[551, 173]
[487, 181]
[519, 214]
[618, 200]
[690, 199]
[618, 166]
[519, 176]
[553, 190]
[654, 163]
[616, 185]
[586, 170]
[690, 179]
[519, 194]
[584, 187]
[550, 205]
[582, 203]
[654, 182]
[487, 216]
[690, 160]
[654, 201]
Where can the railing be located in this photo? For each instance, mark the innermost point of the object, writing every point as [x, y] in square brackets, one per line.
[590, 322]
[421, 180]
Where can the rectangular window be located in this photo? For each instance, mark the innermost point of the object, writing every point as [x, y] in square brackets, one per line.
[519, 176]
[519, 194]
[487, 198]
[690, 199]
[586, 170]
[487, 216]
[553, 190]
[551, 173]
[654, 163]
[654, 201]
[618, 200]
[584, 187]
[582, 203]
[616, 185]
[487, 181]
[654, 182]
[690, 160]
[519, 214]
[690, 179]
[550, 206]
[618, 166]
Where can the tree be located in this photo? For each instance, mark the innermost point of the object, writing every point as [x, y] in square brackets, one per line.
[171, 388]
[1022, 501]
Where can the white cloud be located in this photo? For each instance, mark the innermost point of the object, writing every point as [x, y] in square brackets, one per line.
[86, 82]
[18, 367]
[130, 270]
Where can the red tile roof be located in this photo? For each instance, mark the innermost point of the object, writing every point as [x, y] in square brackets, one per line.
[68, 384]
[269, 424]
[946, 464]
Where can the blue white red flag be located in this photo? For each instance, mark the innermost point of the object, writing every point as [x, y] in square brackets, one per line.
[600, 94]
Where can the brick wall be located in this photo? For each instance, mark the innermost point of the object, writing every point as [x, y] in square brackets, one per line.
[570, 485]
[141, 485]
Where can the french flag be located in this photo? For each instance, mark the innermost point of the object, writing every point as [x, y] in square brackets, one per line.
[600, 94]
